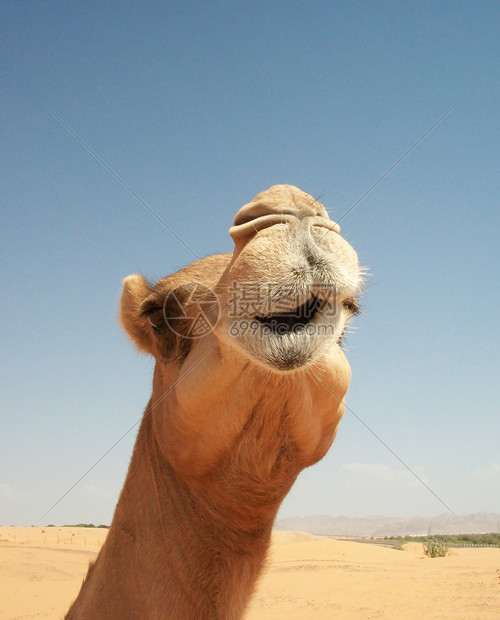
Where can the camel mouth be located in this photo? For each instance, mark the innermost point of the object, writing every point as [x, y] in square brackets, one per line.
[289, 339]
[292, 321]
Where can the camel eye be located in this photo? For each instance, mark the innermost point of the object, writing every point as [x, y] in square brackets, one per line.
[351, 306]
[156, 319]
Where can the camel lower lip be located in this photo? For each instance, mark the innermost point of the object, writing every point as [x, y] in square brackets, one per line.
[289, 360]
[279, 328]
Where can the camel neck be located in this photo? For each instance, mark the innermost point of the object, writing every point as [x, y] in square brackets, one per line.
[169, 551]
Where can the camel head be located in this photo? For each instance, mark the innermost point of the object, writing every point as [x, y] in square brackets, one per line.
[290, 287]
[282, 300]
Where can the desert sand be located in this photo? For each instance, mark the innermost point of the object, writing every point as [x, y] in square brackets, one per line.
[41, 570]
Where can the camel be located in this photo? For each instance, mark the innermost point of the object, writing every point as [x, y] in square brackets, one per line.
[237, 410]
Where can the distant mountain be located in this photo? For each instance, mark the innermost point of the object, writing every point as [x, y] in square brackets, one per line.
[477, 523]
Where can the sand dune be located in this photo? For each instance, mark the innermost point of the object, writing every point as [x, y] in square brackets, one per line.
[41, 570]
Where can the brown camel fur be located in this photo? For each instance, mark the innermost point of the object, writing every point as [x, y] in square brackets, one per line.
[236, 413]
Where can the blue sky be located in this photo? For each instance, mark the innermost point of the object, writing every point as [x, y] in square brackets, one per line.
[197, 107]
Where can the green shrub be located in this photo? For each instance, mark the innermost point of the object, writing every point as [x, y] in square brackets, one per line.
[436, 548]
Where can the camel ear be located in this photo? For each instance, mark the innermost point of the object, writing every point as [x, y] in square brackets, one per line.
[135, 290]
